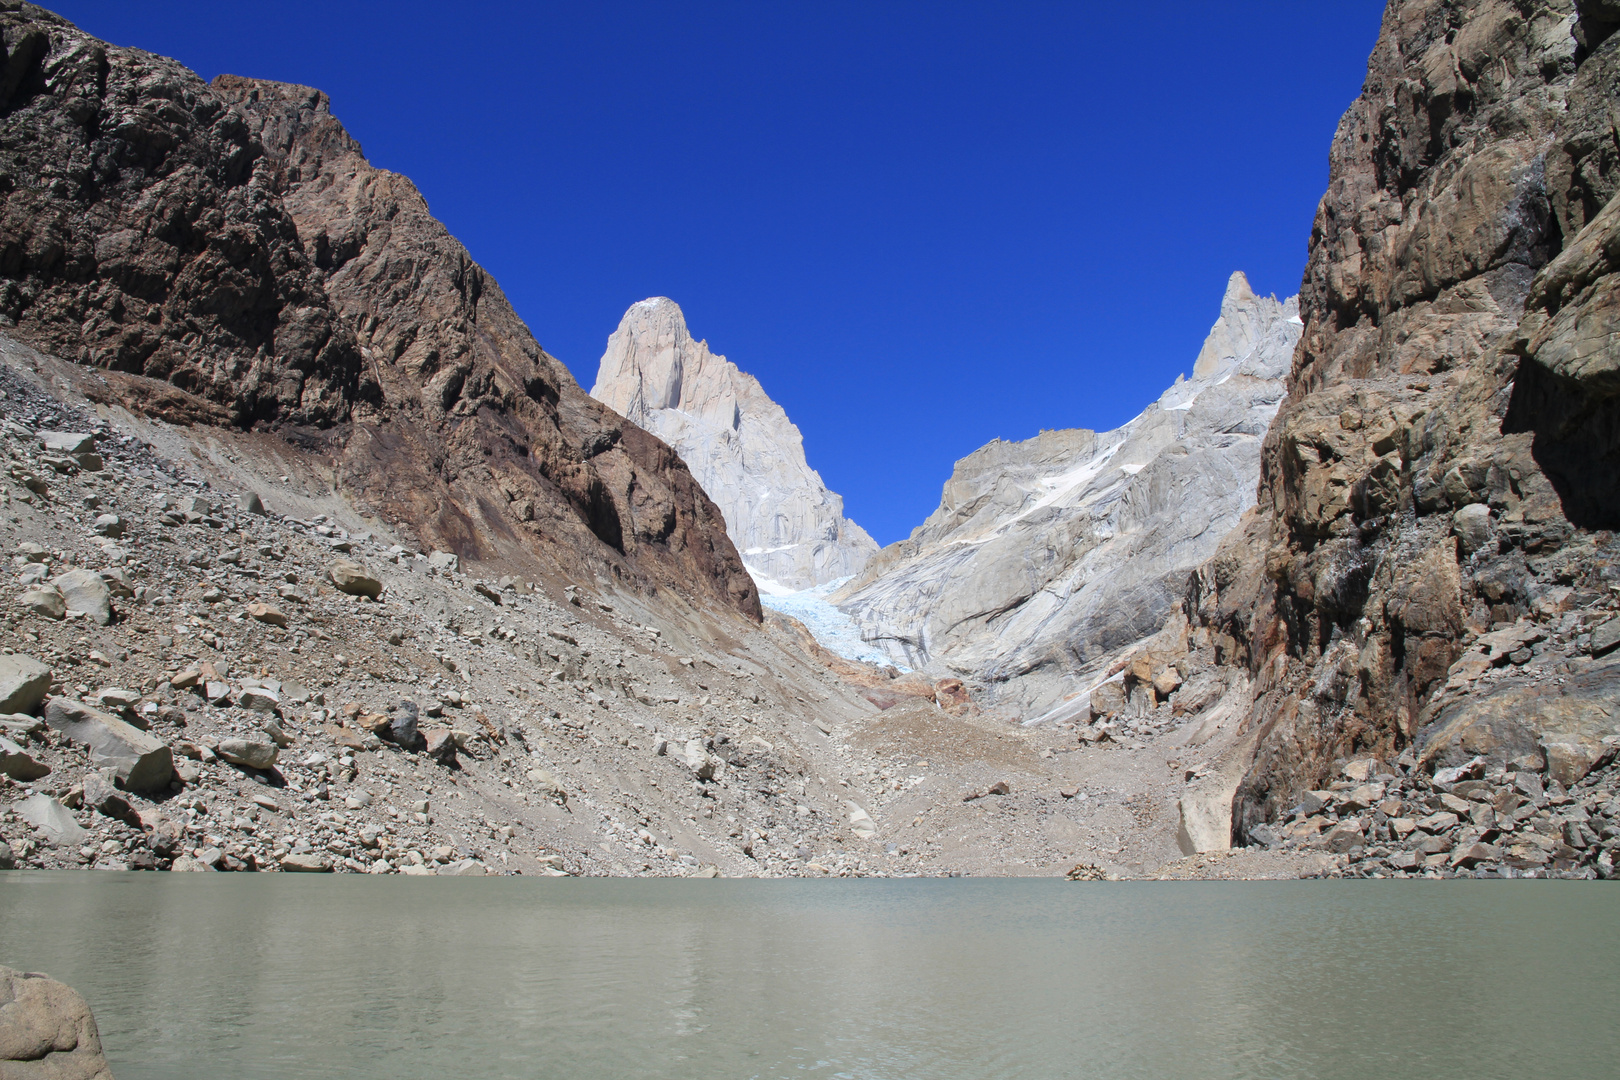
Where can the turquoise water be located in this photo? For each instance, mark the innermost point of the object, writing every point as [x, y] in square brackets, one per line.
[224, 975]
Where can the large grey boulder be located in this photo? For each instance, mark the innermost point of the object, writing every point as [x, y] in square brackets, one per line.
[18, 764]
[1049, 556]
[45, 601]
[24, 682]
[47, 1031]
[51, 818]
[1565, 722]
[85, 591]
[139, 761]
[254, 752]
[352, 578]
[739, 444]
[67, 442]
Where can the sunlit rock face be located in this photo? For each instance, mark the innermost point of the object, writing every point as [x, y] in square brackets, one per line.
[1047, 556]
[739, 444]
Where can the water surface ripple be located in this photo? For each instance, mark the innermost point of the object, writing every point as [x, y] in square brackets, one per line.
[291, 977]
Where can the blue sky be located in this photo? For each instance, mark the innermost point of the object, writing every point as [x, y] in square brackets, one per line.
[921, 225]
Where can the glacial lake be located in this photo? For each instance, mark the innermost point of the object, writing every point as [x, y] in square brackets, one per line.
[292, 976]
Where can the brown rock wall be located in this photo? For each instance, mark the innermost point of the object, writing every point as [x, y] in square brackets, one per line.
[228, 249]
[1460, 350]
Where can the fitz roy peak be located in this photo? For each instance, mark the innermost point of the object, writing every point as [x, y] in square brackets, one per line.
[739, 444]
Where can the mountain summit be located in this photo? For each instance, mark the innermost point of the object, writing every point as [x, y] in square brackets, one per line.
[739, 444]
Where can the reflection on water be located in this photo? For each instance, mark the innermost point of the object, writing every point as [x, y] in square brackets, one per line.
[294, 976]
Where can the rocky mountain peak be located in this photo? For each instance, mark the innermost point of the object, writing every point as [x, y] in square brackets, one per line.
[740, 445]
[1244, 318]
[655, 348]
[1047, 557]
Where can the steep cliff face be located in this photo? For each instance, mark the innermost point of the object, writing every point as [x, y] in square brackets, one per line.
[228, 248]
[1047, 556]
[741, 446]
[1432, 483]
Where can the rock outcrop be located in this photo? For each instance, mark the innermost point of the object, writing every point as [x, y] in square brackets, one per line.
[47, 1031]
[225, 252]
[740, 445]
[1047, 556]
[1428, 573]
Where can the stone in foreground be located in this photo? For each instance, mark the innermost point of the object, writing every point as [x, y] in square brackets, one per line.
[85, 591]
[51, 818]
[24, 682]
[47, 1031]
[140, 762]
[352, 578]
[257, 752]
[306, 864]
[18, 764]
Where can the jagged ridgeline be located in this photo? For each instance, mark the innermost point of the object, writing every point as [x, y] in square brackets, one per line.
[1048, 557]
[226, 253]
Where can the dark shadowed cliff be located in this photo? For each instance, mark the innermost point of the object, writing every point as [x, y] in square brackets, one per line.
[1430, 553]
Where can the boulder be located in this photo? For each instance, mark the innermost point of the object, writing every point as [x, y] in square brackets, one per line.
[1472, 525]
[860, 822]
[108, 801]
[274, 616]
[306, 864]
[47, 1031]
[1511, 720]
[698, 759]
[1344, 837]
[16, 763]
[441, 745]
[1166, 683]
[254, 751]
[45, 601]
[139, 761]
[85, 591]
[118, 700]
[352, 578]
[1606, 638]
[250, 503]
[1362, 798]
[401, 727]
[444, 560]
[1571, 756]
[547, 785]
[51, 818]
[24, 682]
[66, 442]
[109, 525]
[1108, 700]
[1467, 858]
[258, 699]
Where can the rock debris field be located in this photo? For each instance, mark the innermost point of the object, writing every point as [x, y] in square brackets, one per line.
[190, 681]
